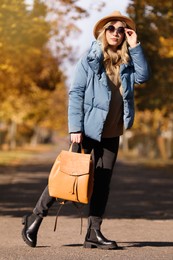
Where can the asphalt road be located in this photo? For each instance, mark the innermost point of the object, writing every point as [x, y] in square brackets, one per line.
[139, 214]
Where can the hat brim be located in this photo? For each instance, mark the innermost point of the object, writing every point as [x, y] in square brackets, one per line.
[101, 23]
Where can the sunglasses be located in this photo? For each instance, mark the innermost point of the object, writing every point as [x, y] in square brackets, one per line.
[112, 29]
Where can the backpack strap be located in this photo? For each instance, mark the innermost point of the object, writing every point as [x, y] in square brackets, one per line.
[77, 206]
[57, 214]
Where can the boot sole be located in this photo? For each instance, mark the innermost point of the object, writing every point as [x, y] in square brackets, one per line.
[96, 245]
[25, 239]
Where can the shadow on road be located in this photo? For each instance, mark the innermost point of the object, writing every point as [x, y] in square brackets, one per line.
[134, 244]
[141, 191]
[147, 243]
[137, 191]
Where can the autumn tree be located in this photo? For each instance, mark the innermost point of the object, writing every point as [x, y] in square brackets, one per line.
[32, 84]
[154, 99]
[26, 63]
[154, 20]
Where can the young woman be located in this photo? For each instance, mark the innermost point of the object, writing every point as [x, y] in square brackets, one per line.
[101, 105]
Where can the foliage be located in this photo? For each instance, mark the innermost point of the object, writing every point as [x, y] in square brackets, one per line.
[32, 84]
[154, 20]
[26, 63]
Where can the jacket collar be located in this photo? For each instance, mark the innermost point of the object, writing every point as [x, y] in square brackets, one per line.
[95, 56]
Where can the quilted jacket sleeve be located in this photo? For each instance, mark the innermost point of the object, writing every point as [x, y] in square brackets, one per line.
[76, 98]
[141, 67]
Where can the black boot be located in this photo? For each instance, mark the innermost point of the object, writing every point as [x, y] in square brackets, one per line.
[31, 225]
[94, 237]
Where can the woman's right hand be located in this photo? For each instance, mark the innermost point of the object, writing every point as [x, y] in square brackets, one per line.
[76, 137]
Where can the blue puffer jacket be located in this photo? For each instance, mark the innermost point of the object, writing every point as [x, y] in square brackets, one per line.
[89, 95]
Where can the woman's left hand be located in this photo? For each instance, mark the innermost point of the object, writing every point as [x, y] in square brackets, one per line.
[131, 37]
[76, 137]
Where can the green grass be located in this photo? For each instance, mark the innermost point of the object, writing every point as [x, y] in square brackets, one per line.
[11, 157]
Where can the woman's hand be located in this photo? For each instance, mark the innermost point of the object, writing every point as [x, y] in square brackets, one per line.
[131, 37]
[76, 137]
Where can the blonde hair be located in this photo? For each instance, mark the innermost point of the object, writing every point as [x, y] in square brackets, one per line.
[112, 59]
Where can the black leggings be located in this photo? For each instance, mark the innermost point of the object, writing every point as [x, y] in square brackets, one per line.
[105, 154]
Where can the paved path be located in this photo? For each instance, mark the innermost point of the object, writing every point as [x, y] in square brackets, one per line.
[139, 215]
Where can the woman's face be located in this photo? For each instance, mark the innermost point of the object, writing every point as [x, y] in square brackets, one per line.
[115, 34]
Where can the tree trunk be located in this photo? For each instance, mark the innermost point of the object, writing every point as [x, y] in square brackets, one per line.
[12, 135]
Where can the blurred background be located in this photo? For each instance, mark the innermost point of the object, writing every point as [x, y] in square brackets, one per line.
[40, 43]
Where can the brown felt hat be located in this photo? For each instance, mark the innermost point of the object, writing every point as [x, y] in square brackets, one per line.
[115, 16]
